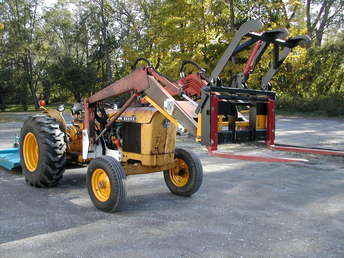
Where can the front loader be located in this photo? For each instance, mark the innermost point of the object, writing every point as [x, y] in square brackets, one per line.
[113, 143]
[142, 139]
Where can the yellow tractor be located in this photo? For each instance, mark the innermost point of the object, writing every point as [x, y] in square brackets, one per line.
[141, 138]
[113, 143]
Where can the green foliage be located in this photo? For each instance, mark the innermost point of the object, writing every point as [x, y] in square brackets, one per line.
[78, 79]
[76, 47]
[331, 105]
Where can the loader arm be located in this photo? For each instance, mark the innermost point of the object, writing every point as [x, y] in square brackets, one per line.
[303, 41]
[136, 81]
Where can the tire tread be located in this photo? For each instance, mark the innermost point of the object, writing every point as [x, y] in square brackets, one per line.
[52, 141]
[196, 170]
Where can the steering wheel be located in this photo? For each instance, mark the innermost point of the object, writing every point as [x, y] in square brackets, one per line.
[186, 62]
[133, 67]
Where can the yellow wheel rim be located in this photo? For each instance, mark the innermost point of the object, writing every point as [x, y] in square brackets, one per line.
[30, 152]
[180, 174]
[101, 185]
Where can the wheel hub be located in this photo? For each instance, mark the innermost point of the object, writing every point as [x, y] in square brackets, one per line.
[180, 174]
[30, 152]
[101, 186]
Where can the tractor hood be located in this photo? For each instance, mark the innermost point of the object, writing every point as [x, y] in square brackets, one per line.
[141, 115]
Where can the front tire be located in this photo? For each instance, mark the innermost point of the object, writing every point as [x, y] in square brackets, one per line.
[187, 177]
[105, 184]
[42, 151]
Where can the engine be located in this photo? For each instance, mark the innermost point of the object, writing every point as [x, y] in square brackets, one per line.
[142, 135]
[145, 136]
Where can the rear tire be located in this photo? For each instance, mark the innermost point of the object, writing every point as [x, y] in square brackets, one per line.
[42, 151]
[186, 179]
[105, 184]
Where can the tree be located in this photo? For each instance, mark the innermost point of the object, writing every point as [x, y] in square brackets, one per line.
[73, 76]
[92, 43]
[100, 14]
[23, 42]
[322, 15]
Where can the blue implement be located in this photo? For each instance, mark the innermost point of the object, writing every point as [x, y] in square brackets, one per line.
[10, 158]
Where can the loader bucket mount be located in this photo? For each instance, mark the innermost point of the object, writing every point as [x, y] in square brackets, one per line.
[224, 102]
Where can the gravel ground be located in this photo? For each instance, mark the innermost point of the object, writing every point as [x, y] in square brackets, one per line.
[243, 209]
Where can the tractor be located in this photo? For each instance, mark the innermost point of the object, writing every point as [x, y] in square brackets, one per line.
[141, 138]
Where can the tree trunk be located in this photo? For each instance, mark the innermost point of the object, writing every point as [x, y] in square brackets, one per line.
[231, 9]
[232, 14]
[23, 98]
[321, 29]
[77, 96]
[34, 96]
[2, 102]
[46, 91]
[29, 77]
[308, 18]
[106, 49]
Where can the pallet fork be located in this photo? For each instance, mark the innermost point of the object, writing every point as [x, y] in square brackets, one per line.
[270, 140]
[217, 99]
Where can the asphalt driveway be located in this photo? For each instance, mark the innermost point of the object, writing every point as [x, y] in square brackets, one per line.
[246, 209]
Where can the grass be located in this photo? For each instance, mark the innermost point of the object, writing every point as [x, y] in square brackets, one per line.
[19, 108]
[7, 120]
[31, 108]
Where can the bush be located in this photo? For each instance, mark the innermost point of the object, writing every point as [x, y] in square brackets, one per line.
[331, 105]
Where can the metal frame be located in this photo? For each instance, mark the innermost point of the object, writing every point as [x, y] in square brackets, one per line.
[253, 158]
[247, 27]
[213, 95]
